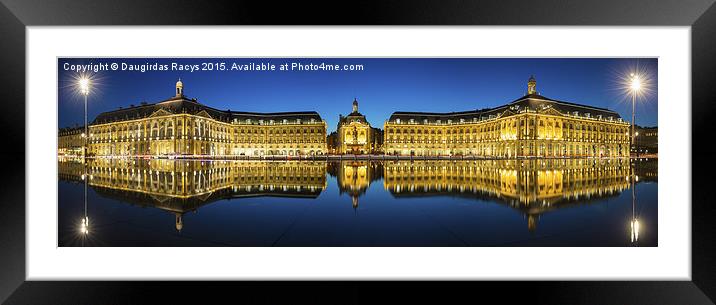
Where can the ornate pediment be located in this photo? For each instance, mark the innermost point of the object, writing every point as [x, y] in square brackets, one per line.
[160, 112]
[507, 112]
[549, 111]
[204, 114]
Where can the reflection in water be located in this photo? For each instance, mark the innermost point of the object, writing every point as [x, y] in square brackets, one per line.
[533, 187]
[648, 171]
[183, 186]
[354, 177]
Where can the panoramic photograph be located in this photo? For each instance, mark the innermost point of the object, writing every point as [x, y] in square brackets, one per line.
[357, 152]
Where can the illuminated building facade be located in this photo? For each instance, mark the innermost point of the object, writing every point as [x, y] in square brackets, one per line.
[70, 141]
[646, 140]
[531, 126]
[354, 135]
[182, 126]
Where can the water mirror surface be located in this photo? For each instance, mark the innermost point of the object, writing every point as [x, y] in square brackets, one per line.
[483, 203]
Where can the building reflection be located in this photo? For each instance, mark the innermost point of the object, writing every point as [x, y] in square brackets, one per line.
[355, 176]
[532, 186]
[179, 187]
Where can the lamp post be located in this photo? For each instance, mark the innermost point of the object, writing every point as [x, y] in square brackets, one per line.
[635, 86]
[84, 87]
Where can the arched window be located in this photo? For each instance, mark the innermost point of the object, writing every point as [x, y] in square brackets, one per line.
[170, 131]
[162, 129]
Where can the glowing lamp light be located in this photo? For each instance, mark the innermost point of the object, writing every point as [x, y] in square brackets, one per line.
[84, 84]
[635, 83]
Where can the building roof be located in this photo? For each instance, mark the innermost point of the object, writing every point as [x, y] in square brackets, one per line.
[192, 106]
[71, 130]
[529, 101]
[353, 116]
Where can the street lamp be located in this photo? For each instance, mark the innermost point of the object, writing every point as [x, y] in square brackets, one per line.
[83, 84]
[635, 86]
[84, 87]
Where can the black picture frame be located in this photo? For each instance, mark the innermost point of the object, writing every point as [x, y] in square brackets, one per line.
[16, 15]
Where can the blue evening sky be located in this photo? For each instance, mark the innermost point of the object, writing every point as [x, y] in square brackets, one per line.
[385, 85]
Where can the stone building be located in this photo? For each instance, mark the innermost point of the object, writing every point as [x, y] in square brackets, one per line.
[646, 140]
[182, 126]
[531, 126]
[355, 135]
[70, 141]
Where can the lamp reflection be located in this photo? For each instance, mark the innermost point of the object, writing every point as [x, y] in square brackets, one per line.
[634, 230]
[84, 222]
[634, 224]
[84, 227]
